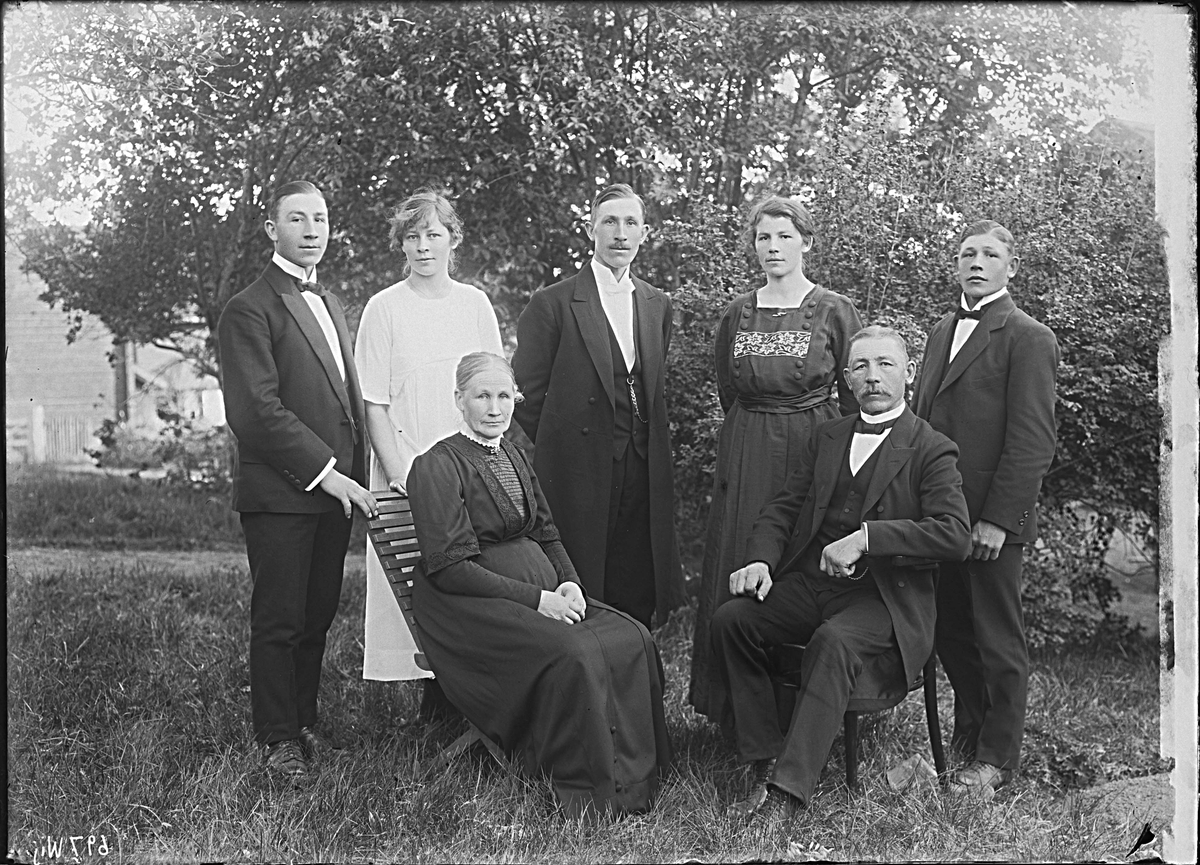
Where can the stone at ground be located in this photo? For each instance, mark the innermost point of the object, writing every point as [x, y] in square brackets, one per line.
[911, 771]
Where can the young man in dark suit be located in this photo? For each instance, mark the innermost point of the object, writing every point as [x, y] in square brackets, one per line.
[590, 359]
[987, 382]
[293, 403]
[821, 570]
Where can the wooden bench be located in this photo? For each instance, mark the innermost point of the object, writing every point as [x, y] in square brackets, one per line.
[394, 539]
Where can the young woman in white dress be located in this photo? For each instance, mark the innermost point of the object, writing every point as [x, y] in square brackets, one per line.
[410, 339]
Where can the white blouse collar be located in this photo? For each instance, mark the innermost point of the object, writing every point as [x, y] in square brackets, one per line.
[493, 446]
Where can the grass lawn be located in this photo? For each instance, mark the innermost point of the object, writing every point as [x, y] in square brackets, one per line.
[129, 717]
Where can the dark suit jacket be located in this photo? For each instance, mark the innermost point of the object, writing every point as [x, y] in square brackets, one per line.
[921, 514]
[996, 402]
[564, 367]
[285, 400]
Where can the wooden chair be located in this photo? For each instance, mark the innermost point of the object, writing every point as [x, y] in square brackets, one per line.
[880, 686]
[395, 542]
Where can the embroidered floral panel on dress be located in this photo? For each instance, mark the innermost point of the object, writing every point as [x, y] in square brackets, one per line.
[784, 343]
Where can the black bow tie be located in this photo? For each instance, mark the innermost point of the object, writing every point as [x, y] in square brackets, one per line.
[873, 429]
[315, 287]
[975, 313]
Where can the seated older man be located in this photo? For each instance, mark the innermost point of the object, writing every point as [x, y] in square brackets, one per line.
[819, 571]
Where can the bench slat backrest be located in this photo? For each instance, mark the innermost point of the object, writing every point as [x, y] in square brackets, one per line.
[395, 542]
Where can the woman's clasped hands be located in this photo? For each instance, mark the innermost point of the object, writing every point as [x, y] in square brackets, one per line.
[566, 603]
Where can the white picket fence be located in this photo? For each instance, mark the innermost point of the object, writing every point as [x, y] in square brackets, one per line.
[61, 438]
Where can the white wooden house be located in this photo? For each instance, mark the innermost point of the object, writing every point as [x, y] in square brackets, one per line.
[57, 394]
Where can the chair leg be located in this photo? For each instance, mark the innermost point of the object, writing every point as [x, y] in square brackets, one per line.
[931, 715]
[850, 728]
[494, 750]
[464, 743]
[460, 745]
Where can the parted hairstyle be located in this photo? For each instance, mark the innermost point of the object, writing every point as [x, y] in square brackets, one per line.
[293, 187]
[879, 331]
[422, 209]
[778, 205]
[617, 190]
[989, 226]
[478, 362]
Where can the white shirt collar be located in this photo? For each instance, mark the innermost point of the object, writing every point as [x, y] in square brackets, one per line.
[983, 301]
[293, 269]
[883, 417]
[605, 280]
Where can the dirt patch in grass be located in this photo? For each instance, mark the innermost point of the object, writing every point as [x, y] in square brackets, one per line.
[1132, 803]
[1137, 800]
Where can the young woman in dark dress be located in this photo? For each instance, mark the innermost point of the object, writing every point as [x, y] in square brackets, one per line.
[568, 686]
[780, 354]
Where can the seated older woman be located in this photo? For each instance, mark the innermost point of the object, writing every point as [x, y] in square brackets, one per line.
[568, 686]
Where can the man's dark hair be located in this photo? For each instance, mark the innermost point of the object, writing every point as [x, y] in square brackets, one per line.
[989, 226]
[294, 187]
[617, 190]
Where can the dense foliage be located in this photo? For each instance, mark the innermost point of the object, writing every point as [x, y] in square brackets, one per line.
[168, 125]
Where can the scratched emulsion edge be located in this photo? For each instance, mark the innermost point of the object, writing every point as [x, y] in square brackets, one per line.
[1175, 191]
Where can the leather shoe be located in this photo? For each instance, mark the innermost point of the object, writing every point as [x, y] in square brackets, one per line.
[285, 758]
[779, 808]
[311, 745]
[760, 772]
[979, 779]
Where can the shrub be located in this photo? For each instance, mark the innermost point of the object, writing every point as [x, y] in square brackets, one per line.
[1066, 592]
[122, 447]
[198, 457]
[707, 283]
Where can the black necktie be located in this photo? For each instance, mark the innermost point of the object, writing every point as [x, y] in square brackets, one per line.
[315, 287]
[873, 429]
[975, 313]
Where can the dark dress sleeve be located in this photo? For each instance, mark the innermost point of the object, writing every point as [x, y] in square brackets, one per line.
[545, 532]
[843, 323]
[726, 392]
[447, 538]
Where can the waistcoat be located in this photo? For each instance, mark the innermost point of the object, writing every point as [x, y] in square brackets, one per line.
[626, 427]
[844, 515]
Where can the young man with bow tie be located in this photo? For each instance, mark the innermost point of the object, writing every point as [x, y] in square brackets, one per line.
[590, 360]
[821, 571]
[293, 402]
[987, 382]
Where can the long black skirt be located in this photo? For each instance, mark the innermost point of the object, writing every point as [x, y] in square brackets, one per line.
[580, 702]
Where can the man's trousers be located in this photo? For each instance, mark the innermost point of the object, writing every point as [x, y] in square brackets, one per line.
[629, 555]
[981, 644]
[296, 562]
[843, 623]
